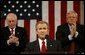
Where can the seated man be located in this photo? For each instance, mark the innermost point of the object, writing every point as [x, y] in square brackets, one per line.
[14, 38]
[43, 44]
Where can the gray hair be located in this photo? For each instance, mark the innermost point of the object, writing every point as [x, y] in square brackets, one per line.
[70, 12]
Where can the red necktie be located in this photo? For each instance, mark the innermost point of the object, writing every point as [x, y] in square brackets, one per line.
[43, 48]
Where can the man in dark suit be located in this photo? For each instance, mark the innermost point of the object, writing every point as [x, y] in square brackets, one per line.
[14, 38]
[50, 46]
[71, 34]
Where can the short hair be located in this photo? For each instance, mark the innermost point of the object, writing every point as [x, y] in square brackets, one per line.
[15, 16]
[70, 12]
[42, 22]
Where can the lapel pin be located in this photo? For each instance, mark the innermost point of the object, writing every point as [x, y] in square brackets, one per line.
[50, 45]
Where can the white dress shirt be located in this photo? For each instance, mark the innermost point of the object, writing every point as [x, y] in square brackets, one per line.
[13, 30]
[40, 43]
[70, 36]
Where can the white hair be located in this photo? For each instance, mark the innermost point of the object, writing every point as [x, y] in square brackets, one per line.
[13, 15]
[70, 12]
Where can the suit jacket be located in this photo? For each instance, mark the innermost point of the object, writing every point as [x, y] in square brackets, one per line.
[20, 33]
[62, 35]
[52, 46]
[0, 37]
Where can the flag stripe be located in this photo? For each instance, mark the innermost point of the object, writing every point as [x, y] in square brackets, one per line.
[63, 11]
[21, 23]
[77, 9]
[69, 6]
[27, 27]
[51, 19]
[32, 30]
[45, 11]
[81, 12]
[57, 15]
[2, 23]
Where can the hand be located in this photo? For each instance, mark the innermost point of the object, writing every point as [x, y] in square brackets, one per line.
[73, 29]
[11, 36]
[13, 39]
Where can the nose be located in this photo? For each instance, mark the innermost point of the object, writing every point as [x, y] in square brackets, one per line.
[11, 22]
[72, 18]
[42, 30]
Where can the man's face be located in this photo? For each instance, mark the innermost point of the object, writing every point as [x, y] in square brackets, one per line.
[11, 21]
[72, 18]
[42, 30]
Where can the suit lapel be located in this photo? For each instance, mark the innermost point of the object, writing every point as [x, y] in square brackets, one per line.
[49, 45]
[77, 27]
[66, 29]
[17, 31]
[37, 47]
[8, 31]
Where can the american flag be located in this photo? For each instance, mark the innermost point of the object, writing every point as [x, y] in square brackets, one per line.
[23, 9]
[29, 12]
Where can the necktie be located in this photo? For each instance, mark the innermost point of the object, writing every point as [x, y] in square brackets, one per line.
[12, 30]
[43, 48]
[72, 46]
